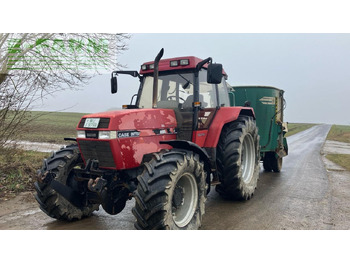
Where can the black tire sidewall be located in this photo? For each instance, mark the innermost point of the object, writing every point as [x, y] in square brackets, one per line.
[232, 184]
[154, 194]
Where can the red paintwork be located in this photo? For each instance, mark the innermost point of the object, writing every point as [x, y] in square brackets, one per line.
[164, 64]
[223, 115]
[128, 152]
[199, 137]
[134, 119]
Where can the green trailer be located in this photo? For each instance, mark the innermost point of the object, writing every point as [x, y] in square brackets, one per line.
[268, 104]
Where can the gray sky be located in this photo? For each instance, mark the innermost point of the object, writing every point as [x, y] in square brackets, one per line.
[313, 69]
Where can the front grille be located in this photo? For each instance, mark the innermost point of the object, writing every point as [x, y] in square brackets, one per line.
[97, 150]
[104, 123]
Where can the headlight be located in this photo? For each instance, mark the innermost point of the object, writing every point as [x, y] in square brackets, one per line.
[81, 134]
[107, 134]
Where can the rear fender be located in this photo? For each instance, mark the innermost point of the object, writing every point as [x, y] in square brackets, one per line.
[223, 116]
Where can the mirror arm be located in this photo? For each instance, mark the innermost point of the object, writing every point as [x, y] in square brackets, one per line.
[132, 73]
[201, 64]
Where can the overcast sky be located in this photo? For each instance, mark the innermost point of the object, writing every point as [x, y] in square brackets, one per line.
[313, 69]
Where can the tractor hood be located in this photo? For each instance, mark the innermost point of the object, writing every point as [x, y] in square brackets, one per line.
[120, 139]
[130, 119]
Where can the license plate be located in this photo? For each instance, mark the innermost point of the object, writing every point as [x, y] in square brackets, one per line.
[91, 122]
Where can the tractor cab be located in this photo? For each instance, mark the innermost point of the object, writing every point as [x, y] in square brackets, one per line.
[188, 85]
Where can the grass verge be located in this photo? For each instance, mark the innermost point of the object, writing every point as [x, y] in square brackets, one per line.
[18, 170]
[294, 128]
[340, 159]
[339, 133]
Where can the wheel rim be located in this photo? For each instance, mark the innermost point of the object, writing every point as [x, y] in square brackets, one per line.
[185, 199]
[248, 158]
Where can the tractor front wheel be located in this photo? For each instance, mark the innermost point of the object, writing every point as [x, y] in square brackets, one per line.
[61, 163]
[171, 192]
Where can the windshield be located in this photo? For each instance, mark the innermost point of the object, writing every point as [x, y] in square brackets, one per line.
[176, 91]
[173, 90]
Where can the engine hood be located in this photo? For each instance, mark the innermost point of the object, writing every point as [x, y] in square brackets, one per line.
[134, 119]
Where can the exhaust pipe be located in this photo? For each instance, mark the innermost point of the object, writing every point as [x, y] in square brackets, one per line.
[155, 78]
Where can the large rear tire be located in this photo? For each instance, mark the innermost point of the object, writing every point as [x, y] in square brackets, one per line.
[53, 204]
[238, 159]
[171, 193]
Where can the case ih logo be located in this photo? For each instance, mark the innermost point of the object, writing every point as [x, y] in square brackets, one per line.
[122, 134]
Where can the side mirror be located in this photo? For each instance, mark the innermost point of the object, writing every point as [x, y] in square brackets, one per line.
[114, 84]
[214, 75]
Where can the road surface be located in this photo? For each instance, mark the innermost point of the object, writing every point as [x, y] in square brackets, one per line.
[299, 197]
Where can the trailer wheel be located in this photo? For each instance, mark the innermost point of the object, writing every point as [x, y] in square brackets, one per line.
[267, 163]
[171, 192]
[272, 163]
[238, 159]
[53, 204]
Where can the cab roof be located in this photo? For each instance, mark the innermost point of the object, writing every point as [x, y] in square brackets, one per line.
[164, 64]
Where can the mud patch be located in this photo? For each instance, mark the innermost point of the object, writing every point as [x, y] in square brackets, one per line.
[35, 146]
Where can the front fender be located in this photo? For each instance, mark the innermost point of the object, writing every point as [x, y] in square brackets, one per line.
[190, 146]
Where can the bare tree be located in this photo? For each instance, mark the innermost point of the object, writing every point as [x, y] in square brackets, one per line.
[35, 65]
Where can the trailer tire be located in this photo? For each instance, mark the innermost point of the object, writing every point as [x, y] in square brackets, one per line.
[272, 163]
[238, 159]
[53, 204]
[171, 192]
[267, 163]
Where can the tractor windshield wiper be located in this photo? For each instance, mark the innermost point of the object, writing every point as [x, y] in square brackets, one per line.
[187, 81]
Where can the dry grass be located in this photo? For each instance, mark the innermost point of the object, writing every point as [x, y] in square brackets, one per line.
[340, 159]
[339, 133]
[18, 170]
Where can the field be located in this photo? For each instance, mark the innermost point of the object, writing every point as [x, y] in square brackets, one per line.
[339, 133]
[294, 128]
[51, 127]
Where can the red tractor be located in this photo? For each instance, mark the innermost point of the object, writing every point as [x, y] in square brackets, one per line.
[179, 138]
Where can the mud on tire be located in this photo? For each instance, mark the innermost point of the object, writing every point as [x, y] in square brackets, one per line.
[238, 159]
[52, 203]
[171, 192]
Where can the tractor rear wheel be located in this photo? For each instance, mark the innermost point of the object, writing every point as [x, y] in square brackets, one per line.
[61, 163]
[171, 192]
[238, 159]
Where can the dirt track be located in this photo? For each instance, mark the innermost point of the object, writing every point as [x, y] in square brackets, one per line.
[303, 196]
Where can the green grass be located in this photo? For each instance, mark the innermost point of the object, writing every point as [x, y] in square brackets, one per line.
[51, 127]
[294, 128]
[18, 170]
[340, 159]
[339, 133]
